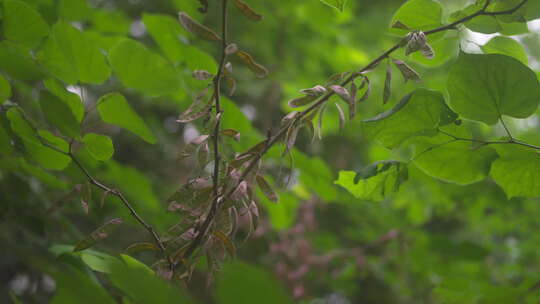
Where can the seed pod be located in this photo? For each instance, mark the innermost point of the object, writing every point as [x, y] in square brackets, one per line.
[196, 28]
[247, 10]
[259, 70]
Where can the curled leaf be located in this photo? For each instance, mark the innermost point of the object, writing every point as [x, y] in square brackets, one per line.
[202, 75]
[367, 93]
[231, 49]
[290, 138]
[259, 70]
[341, 117]
[399, 25]
[266, 188]
[352, 102]
[196, 28]
[317, 90]
[247, 10]
[202, 156]
[415, 42]
[301, 101]
[427, 51]
[387, 84]
[289, 117]
[407, 72]
[143, 246]
[98, 234]
[197, 109]
[342, 92]
[234, 134]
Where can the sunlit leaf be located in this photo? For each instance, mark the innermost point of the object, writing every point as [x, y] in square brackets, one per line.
[99, 146]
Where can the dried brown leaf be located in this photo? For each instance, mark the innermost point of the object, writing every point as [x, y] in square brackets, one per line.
[196, 28]
[266, 189]
[247, 10]
[259, 70]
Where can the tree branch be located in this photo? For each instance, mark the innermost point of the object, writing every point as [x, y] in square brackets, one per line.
[277, 137]
[202, 230]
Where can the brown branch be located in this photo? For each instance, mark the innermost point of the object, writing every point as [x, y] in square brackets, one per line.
[277, 137]
[114, 192]
[202, 230]
[125, 202]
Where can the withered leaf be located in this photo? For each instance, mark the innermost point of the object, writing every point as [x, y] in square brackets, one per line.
[317, 90]
[202, 156]
[196, 28]
[290, 138]
[202, 75]
[143, 246]
[266, 188]
[289, 117]
[259, 70]
[428, 51]
[367, 93]
[399, 25]
[415, 42]
[301, 101]
[352, 102]
[98, 234]
[226, 241]
[232, 133]
[341, 117]
[342, 92]
[320, 124]
[247, 10]
[197, 109]
[387, 84]
[407, 72]
[231, 48]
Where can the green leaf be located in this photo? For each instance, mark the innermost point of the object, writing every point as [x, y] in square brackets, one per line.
[112, 22]
[418, 15]
[72, 100]
[165, 31]
[484, 87]
[76, 287]
[99, 261]
[5, 89]
[47, 157]
[257, 285]
[99, 146]
[506, 46]
[375, 182]
[147, 287]
[517, 171]
[337, 4]
[71, 56]
[418, 113]
[60, 115]
[17, 62]
[141, 69]
[23, 24]
[481, 24]
[453, 161]
[74, 10]
[114, 109]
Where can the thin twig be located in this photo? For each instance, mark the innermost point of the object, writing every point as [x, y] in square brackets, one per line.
[510, 141]
[202, 230]
[277, 137]
[124, 201]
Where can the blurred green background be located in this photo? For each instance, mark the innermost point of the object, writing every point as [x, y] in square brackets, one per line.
[431, 242]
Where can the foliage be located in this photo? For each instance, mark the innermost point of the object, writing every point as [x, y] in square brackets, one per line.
[239, 186]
